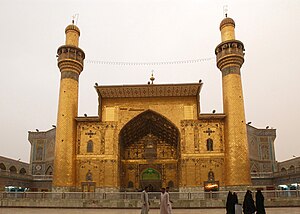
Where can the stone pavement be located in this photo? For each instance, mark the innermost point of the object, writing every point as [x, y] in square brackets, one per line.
[289, 210]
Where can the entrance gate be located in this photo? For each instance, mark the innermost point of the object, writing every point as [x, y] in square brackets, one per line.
[149, 152]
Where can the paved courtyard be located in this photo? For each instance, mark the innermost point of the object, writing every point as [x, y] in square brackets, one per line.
[132, 211]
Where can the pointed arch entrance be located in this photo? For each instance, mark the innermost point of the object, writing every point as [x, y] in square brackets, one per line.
[149, 152]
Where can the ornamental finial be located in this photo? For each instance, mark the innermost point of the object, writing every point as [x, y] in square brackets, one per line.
[152, 78]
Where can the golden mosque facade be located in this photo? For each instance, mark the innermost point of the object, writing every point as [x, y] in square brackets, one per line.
[154, 134]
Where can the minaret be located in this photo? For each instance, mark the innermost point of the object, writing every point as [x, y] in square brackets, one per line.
[230, 57]
[70, 63]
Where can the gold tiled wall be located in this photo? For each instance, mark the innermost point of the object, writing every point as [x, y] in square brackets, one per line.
[64, 171]
[102, 161]
[191, 170]
[170, 107]
[237, 153]
[196, 160]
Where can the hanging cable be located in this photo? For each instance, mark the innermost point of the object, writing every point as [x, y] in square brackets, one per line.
[191, 61]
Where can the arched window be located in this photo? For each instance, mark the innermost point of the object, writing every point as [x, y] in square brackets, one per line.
[283, 170]
[254, 168]
[291, 169]
[13, 169]
[90, 146]
[89, 176]
[39, 153]
[22, 171]
[2, 166]
[209, 144]
[171, 184]
[211, 176]
[49, 170]
[130, 184]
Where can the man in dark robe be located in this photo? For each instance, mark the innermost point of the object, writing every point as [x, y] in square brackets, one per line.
[259, 200]
[248, 204]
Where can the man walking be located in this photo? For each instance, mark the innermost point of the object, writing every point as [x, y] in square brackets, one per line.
[169, 202]
[164, 202]
[145, 201]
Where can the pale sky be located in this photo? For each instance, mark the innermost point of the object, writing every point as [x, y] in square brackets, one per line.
[148, 31]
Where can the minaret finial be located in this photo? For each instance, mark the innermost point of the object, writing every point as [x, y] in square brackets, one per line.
[225, 10]
[73, 18]
[152, 78]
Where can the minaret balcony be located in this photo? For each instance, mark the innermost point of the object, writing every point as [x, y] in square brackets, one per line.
[70, 57]
[230, 53]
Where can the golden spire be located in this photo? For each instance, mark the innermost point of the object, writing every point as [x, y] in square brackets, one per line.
[152, 78]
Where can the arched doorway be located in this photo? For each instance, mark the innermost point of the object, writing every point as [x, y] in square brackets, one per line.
[151, 178]
[148, 146]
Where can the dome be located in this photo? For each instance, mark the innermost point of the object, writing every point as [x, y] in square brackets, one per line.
[72, 27]
[227, 21]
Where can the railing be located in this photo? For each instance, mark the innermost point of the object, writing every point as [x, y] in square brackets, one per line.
[219, 195]
[262, 175]
[295, 171]
[15, 175]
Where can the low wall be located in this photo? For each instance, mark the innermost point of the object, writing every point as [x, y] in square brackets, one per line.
[130, 203]
[132, 199]
[107, 203]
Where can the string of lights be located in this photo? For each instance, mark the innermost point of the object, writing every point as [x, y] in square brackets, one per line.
[191, 61]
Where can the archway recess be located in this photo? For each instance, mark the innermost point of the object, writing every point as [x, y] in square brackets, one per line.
[149, 140]
[2, 166]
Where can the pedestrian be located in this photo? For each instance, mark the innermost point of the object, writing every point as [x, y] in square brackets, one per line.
[235, 198]
[259, 200]
[164, 199]
[248, 204]
[145, 201]
[170, 202]
[229, 203]
[237, 207]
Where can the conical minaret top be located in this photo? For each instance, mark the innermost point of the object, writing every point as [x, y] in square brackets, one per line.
[72, 35]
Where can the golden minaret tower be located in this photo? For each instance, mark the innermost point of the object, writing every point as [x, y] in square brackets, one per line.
[70, 63]
[230, 57]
